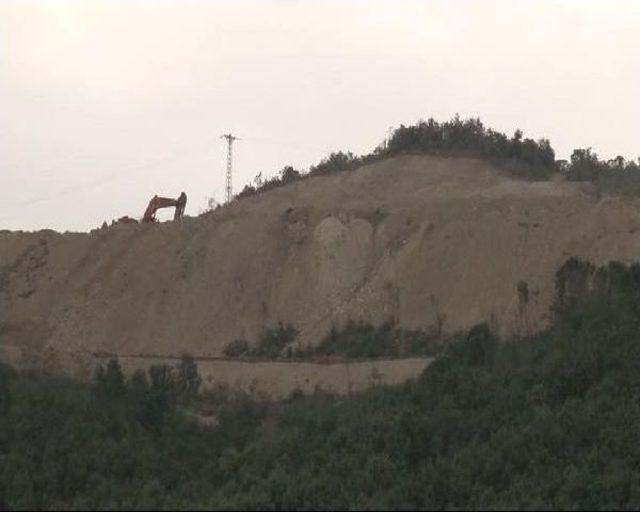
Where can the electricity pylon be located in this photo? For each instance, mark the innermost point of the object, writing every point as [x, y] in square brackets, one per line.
[228, 195]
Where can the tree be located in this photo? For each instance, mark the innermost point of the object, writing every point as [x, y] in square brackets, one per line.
[479, 346]
[188, 379]
[109, 383]
[112, 385]
[159, 399]
[137, 388]
[5, 393]
[274, 341]
[584, 165]
[289, 175]
[247, 191]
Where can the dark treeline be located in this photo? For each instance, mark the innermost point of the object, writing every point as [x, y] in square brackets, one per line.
[363, 340]
[533, 159]
[523, 157]
[353, 340]
[547, 422]
[616, 176]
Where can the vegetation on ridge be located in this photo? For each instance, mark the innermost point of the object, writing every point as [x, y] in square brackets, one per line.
[523, 157]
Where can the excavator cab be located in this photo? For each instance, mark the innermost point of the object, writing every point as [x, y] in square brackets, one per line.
[165, 202]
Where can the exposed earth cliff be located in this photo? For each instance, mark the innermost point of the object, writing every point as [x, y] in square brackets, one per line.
[436, 243]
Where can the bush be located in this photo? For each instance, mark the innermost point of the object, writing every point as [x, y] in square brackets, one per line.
[287, 175]
[109, 383]
[355, 340]
[616, 176]
[188, 379]
[237, 348]
[271, 344]
[362, 340]
[469, 137]
[274, 341]
[477, 348]
[5, 392]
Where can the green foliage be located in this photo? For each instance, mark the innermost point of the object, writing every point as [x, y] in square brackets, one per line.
[237, 348]
[585, 165]
[361, 340]
[109, 383]
[336, 162]
[287, 175]
[274, 341]
[477, 348]
[584, 293]
[271, 344]
[469, 137]
[159, 399]
[188, 380]
[616, 176]
[547, 422]
[5, 393]
[354, 340]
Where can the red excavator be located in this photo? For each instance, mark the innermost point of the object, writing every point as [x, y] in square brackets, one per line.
[165, 202]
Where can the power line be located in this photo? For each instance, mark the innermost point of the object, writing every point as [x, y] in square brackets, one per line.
[291, 145]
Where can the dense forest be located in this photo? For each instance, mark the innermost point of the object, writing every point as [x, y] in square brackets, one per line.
[551, 421]
[522, 157]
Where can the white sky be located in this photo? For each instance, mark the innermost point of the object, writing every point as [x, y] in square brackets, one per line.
[104, 103]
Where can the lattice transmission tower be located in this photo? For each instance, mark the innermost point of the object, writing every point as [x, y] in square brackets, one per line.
[228, 193]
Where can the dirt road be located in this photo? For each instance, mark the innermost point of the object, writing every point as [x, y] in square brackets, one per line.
[278, 380]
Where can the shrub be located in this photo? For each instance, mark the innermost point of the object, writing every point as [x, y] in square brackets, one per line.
[363, 340]
[188, 379]
[109, 383]
[236, 348]
[270, 345]
[273, 341]
[5, 392]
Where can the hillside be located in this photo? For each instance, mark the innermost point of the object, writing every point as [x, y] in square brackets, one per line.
[541, 423]
[429, 241]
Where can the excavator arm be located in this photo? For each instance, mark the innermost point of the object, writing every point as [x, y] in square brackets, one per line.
[165, 202]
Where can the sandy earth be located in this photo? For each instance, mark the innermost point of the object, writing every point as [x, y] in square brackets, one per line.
[277, 380]
[423, 239]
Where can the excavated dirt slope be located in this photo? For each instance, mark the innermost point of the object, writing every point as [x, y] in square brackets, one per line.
[425, 240]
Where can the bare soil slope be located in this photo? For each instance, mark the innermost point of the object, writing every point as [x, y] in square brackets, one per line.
[425, 240]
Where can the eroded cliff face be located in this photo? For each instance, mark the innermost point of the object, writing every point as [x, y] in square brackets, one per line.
[429, 241]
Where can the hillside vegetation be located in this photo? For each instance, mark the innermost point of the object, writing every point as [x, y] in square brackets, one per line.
[550, 421]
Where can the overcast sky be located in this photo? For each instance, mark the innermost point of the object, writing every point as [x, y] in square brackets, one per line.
[104, 103]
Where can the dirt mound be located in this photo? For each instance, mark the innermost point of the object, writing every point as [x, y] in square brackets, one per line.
[426, 240]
